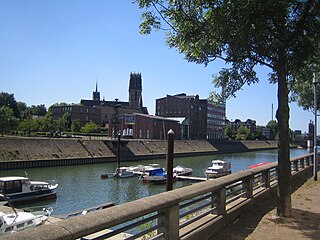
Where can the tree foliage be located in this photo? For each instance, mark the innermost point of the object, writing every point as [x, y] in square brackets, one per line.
[7, 119]
[8, 100]
[242, 133]
[273, 126]
[281, 35]
[230, 132]
[90, 127]
[76, 126]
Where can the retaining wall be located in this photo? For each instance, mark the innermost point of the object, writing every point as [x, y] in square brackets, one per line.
[46, 152]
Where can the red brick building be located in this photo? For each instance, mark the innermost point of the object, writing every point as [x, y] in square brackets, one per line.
[143, 126]
[202, 119]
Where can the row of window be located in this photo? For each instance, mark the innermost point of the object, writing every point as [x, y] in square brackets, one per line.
[215, 122]
[215, 116]
[69, 109]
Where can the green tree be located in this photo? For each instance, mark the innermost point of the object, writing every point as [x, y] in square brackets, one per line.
[7, 119]
[38, 110]
[29, 125]
[257, 135]
[273, 126]
[230, 132]
[47, 123]
[23, 110]
[281, 35]
[90, 127]
[8, 100]
[76, 126]
[242, 133]
[64, 122]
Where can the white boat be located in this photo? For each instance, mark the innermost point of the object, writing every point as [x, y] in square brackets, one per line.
[123, 172]
[157, 175]
[182, 171]
[20, 189]
[19, 220]
[219, 168]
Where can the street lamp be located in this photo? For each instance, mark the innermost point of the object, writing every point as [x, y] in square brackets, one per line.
[315, 151]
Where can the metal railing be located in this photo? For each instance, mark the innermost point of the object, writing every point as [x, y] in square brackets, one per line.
[190, 212]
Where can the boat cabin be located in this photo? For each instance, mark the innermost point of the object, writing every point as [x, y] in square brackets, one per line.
[13, 184]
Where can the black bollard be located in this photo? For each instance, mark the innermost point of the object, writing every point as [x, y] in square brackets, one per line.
[118, 151]
[170, 150]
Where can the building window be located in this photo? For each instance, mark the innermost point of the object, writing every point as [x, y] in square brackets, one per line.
[140, 133]
[148, 133]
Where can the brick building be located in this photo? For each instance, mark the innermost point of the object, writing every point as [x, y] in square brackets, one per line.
[202, 120]
[78, 112]
[144, 126]
[105, 113]
[216, 120]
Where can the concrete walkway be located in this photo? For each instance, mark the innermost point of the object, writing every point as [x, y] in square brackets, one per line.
[262, 221]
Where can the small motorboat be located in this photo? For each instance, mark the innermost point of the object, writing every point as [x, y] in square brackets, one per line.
[157, 175]
[182, 171]
[21, 189]
[19, 220]
[219, 168]
[122, 172]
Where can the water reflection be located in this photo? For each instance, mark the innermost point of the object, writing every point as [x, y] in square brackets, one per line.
[81, 186]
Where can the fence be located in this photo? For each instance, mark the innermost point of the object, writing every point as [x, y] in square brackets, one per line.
[192, 212]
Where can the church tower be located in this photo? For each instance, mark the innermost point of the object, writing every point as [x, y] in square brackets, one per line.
[96, 94]
[135, 90]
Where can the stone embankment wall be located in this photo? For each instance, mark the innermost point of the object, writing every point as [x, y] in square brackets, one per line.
[44, 152]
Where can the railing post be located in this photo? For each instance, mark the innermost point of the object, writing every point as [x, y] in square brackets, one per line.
[266, 178]
[308, 161]
[170, 221]
[302, 162]
[248, 186]
[221, 201]
[296, 165]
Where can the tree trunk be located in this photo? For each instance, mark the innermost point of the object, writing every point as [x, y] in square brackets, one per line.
[284, 166]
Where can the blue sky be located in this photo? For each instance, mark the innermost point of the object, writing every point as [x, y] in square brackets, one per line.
[56, 51]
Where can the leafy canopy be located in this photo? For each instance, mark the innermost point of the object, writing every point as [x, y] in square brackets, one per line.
[242, 33]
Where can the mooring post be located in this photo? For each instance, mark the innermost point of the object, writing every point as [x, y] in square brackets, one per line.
[118, 151]
[170, 160]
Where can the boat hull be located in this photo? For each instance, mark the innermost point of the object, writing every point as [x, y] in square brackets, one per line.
[32, 196]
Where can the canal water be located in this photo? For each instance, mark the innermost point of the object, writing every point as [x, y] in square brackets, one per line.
[81, 186]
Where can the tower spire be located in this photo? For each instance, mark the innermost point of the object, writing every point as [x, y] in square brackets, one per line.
[96, 94]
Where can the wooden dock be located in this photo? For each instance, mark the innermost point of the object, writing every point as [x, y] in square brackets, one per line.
[179, 177]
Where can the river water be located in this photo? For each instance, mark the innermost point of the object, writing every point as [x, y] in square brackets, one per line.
[81, 186]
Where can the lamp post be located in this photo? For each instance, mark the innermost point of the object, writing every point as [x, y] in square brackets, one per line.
[315, 150]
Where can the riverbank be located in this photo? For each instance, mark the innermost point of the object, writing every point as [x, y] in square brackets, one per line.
[19, 152]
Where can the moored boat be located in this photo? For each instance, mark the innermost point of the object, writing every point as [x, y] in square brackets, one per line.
[182, 171]
[219, 168]
[123, 172]
[18, 220]
[157, 175]
[21, 189]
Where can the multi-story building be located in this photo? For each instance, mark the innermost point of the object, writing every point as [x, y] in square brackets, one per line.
[83, 113]
[203, 120]
[105, 113]
[216, 120]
